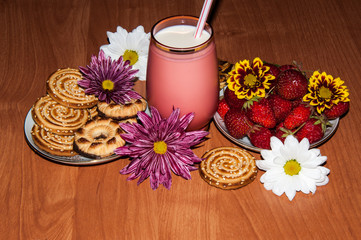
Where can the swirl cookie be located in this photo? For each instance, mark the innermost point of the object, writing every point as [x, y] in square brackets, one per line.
[228, 167]
[98, 138]
[120, 111]
[57, 118]
[62, 86]
[59, 145]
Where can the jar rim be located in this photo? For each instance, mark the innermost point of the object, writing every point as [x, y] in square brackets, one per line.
[183, 20]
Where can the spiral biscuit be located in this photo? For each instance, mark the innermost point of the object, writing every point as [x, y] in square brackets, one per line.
[228, 167]
[62, 86]
[120, 111]
[59, 145]
[98, 138]
[56, 118]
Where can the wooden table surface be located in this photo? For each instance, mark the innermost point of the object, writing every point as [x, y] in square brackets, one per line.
[40, 199]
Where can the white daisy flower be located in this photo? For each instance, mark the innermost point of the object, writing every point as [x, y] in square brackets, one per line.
[133, 46]
[292, 167]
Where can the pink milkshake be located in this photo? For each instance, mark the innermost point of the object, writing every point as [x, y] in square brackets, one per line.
[183, 71]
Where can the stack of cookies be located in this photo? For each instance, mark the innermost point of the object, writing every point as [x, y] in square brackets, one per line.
[67, 122]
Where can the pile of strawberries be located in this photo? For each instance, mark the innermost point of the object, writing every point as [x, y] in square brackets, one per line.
[280, 113]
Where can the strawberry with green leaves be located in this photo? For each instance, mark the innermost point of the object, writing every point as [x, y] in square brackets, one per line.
[260, 112]
[260, 137]
[281, 132]
[297, 117]
[313, 130]
[281, 107]
[237, 123]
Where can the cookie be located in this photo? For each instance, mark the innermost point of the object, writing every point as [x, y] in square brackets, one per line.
[59, 145]
[62, 86]
[228, 167]
[98, 138]
[120, 111]
[224, 68]
[57, 118]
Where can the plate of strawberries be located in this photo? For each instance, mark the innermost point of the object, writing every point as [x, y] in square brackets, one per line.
[262, 100]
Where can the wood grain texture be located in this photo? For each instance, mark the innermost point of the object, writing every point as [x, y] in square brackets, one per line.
[40, 199]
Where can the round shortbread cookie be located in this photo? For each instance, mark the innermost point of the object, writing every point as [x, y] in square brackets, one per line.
[63, 87]
[59, 145]
[98, 138]
[57, 118]
[228, 167]
[120, 111]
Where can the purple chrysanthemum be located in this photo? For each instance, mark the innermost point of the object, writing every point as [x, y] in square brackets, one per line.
[109, 80]
[159, 145]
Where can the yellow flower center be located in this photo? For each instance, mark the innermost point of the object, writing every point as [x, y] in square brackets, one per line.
[160, 147]
[131, 56]
[292, 167]
[325, 92]
[108, 85]
[250, 80]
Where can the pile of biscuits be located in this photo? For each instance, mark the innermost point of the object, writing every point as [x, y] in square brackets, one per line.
[69, 122]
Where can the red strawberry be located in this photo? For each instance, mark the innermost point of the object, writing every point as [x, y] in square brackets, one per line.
[282, 132]
[222, 108]
[337, 110]
[237, 123]
[291, 84]
[232, 100]
[286, 67]
[312, 130]
[297, 116]
[281, 107]
[259, 111]
[260, 137]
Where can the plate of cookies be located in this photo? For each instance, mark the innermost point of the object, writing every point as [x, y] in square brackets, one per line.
[70, 127]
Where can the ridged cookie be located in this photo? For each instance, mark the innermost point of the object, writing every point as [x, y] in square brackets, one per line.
[120, 111]
[98, 138]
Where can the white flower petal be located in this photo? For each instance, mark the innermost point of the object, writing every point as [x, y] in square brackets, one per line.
[276, 144]
[314, 162]
[273, 175]
[267, 155]
[280, 160]
[137, 41]
[264, 165]
[310, 175]
[290, 193]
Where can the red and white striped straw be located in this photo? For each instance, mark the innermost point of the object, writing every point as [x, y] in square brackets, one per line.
[202, 18]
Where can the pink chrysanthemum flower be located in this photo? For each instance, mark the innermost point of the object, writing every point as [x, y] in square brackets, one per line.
[109, 80]
[160, 145]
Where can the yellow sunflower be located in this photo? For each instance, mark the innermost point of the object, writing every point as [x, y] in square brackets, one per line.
[248, 80]
[324, 91]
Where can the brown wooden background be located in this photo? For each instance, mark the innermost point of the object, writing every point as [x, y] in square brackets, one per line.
[40, 199]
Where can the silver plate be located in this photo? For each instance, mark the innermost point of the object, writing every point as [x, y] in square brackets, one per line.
[245, 142]
[73, 160]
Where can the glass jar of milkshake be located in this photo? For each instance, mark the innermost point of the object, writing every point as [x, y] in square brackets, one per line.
[182, 70]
